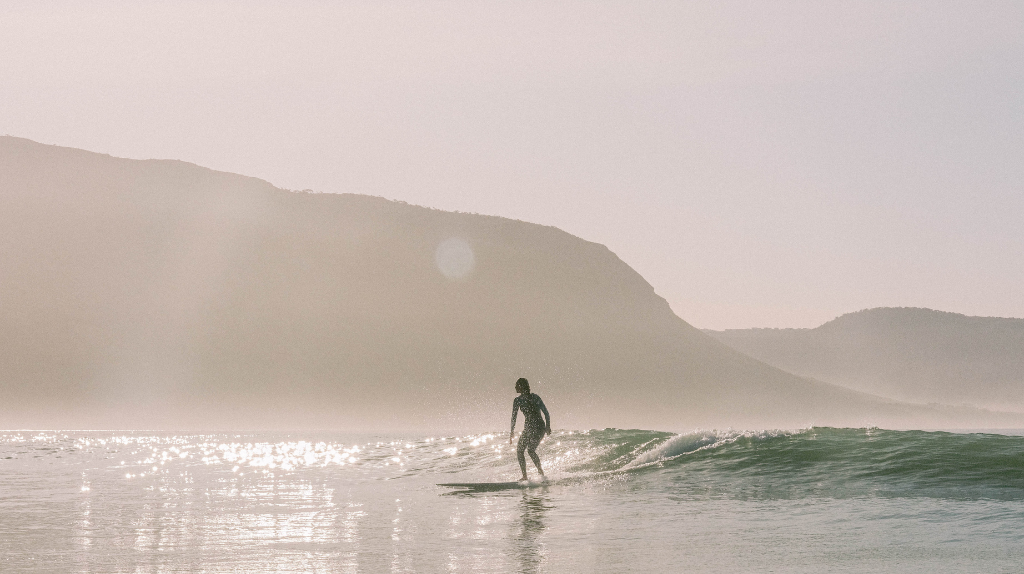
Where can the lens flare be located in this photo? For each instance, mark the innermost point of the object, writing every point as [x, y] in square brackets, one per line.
[454, 258]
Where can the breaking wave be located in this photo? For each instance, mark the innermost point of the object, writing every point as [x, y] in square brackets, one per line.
[813, 462]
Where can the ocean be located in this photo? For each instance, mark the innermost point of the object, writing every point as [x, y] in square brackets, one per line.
[810, 500]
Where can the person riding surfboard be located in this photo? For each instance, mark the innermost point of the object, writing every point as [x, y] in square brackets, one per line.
[534, 426]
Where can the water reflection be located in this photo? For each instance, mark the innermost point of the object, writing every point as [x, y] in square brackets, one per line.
[154, 503]
[527, 532]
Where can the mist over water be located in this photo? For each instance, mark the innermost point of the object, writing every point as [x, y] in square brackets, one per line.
[845, 500]
[164, 295]
[501, 190]
[160, 294]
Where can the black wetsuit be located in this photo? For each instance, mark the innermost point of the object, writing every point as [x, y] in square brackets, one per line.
[534, 427]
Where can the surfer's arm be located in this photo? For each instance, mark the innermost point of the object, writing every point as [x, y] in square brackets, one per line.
[515, 412]
[547, 417]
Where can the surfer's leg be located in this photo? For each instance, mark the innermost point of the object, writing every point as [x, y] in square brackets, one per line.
[520, 450]
[536, 461]
[532, 449]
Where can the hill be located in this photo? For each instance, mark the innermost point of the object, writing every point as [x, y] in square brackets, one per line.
[159, 294]
[909, 354]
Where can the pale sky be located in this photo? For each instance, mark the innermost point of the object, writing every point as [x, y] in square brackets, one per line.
[761, 164]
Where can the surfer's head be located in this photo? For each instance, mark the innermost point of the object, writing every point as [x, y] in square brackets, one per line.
[522, 386]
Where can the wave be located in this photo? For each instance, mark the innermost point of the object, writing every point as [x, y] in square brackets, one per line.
[812, 462]
[695, 442]
[834, 462]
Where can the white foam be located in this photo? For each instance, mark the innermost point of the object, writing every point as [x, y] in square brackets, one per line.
[696, 441]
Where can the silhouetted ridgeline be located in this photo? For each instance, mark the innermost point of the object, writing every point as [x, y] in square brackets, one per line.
[905, 353]
[159, 294]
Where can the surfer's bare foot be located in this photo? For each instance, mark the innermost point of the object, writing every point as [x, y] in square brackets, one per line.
[524, 479]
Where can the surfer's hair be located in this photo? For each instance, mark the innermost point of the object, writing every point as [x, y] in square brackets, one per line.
[522, 386]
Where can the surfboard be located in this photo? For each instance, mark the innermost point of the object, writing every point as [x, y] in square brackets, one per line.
[492, 486]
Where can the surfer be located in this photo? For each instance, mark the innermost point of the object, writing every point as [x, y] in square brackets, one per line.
[534, 427]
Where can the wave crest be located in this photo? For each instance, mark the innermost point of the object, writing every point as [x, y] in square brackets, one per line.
[696, 441]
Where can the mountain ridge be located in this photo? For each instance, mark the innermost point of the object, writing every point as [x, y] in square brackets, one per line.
[160, 294]
[905, 353]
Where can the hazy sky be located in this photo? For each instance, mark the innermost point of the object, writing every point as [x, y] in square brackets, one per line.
[760, 163]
